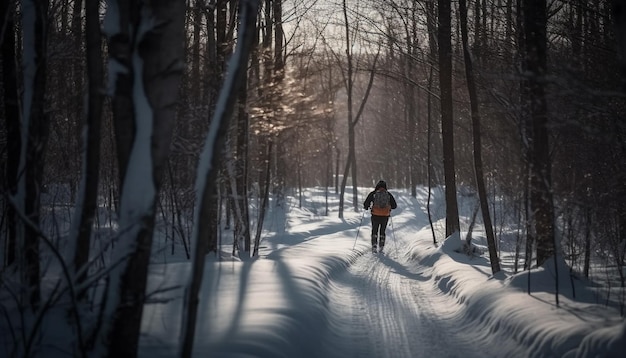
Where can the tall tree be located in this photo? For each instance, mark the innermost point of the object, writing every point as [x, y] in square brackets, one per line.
[34, 136]
[12, 122]
[195, 51]
[210, 162]
[447, 115]
[349, 84]
[535, 27]
[240, 175]
[85, 210]
[476, 134]
[145, 41]
[353, 119]
[410, 16]
[619, 15]
[275, 79]
[215, 44]
[240, 197]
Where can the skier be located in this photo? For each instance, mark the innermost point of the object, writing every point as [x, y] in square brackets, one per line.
[381, 202]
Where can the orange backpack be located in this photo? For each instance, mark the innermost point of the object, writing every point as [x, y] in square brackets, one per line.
[382, 203]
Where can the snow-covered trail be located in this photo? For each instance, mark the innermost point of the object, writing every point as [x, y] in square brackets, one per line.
[317, 291]
[373, 311]
[384, 305]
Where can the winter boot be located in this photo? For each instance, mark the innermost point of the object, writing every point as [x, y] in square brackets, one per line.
[374, 243]
[381, 242]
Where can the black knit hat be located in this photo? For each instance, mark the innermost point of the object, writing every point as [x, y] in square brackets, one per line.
[381, 184]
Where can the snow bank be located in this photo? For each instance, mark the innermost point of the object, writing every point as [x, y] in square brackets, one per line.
[578, 327]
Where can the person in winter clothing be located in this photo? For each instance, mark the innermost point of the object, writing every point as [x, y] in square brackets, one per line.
[381, 203]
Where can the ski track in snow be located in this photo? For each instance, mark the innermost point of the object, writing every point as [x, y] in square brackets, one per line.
[380, 307]
[320, 297]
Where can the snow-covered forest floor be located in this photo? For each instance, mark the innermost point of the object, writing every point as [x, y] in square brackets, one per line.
[316, 290]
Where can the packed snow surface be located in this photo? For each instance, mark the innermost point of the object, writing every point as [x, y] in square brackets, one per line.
[317, 290]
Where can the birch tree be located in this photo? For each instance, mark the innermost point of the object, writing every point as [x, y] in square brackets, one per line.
[145, 66]
[210, 162]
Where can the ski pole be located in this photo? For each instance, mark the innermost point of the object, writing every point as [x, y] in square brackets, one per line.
[357, 230]
[393, 232]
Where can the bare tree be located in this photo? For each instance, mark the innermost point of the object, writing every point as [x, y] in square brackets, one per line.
[535, 20]
[210, 162]
[619, 14]
[476, 133]
[240, 195]
[88, 198]
[12, 123]
[432, 52]
[34, 136]
[145, 41]
[447, 115]
[353, 120]
[264, 201]
[272, 87]
[409, 48]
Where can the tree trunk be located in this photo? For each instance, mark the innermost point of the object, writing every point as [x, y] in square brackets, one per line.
[587, 247]
[431, 25]
[195, 52]
[210, 161]
[476, 135]
[150, 91]
[528, 225]
[477, 26]
[279, 62]
[213, 78]
[264, 201]
[78, 87]
[242, 223]
[410, 98]
[34, 137]
[535, 19]
[12, 120]
[428, 154]
[212, 67]
[120, 48]
[509, 23]
[351, 160]
[518, 238]
[86, 209]
[619, 16]
[447, 120]
[344, 179]
[337, 161]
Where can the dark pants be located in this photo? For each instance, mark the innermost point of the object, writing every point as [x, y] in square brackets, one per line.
[379, 224]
